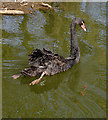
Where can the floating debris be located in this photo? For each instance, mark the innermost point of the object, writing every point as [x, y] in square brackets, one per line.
[46, 5]
[83, 90]
[10, 12]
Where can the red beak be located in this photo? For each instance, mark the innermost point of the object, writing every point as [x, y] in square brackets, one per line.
[83, 27]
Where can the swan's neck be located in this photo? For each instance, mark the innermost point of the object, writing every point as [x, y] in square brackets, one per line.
[74, 52]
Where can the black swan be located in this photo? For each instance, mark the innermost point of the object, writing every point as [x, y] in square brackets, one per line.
[44, 62]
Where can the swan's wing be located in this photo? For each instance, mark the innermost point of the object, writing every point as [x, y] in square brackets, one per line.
[41, 59]
[35, 58]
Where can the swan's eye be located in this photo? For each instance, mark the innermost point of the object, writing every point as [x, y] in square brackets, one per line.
[82, 23]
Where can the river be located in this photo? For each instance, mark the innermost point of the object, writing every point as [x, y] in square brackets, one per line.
[57, 96]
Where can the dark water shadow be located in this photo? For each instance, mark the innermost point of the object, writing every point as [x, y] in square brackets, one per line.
[68, 78]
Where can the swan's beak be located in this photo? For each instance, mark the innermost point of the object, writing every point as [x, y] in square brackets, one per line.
[83, 27]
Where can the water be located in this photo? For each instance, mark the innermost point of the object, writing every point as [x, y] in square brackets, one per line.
[57, 96]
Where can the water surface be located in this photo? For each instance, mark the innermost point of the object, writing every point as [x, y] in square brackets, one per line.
[57, 96]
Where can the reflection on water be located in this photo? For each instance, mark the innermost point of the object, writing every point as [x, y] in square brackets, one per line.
[58, 95]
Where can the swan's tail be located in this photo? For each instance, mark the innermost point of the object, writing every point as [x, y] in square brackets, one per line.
[27, 72]
[30, 72]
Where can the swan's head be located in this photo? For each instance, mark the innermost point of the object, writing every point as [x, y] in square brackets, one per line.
[80, 22]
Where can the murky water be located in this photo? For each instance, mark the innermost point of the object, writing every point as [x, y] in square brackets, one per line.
[57, 96]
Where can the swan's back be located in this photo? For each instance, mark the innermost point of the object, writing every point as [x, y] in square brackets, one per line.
[47, 61]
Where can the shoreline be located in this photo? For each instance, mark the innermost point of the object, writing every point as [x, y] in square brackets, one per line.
[19, 8]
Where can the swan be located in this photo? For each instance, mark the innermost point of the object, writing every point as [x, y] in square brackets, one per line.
[44, 62]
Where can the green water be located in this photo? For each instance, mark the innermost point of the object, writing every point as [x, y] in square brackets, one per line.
[57, 96]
